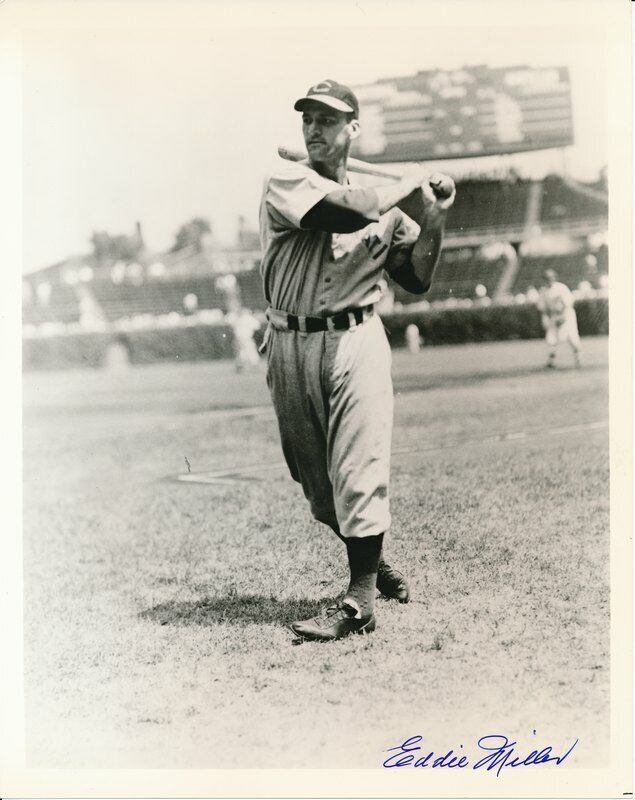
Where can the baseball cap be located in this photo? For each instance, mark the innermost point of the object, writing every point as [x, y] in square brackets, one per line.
[333, 94]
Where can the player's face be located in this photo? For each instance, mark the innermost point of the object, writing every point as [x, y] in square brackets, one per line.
[327, 132]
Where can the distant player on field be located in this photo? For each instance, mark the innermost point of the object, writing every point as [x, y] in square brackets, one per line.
[244, 325]
[558, 317]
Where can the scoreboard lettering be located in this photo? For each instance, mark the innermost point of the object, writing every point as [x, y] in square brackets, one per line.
[474, 111]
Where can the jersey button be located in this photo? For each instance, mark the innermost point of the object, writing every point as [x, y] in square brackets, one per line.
[327, 280]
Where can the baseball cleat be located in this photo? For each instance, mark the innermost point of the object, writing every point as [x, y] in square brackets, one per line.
[392, 584]
[335, 622]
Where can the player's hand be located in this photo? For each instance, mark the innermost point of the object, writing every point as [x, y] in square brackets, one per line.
[443, 188]
[437, 189]
[428, 191]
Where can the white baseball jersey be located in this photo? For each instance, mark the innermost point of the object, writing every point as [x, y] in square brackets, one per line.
[555, 300]
[318, 273]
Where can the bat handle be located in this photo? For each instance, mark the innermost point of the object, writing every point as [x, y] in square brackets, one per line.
[290, 155]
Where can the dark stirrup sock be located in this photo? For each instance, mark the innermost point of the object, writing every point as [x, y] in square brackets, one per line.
[363, 561]
[336, 531]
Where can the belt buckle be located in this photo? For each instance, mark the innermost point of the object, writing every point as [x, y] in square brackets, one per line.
[352, 322]
[330, 323]
[302, 323]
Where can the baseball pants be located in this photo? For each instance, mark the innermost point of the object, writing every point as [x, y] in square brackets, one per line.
[567, 331]
[332, 393]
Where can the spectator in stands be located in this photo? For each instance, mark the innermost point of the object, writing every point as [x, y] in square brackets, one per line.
[558, 317]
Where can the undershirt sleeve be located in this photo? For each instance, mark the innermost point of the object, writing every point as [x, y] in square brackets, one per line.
[343, 211]
[405, 234]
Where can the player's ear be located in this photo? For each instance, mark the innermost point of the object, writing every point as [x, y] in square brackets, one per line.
[353, 128]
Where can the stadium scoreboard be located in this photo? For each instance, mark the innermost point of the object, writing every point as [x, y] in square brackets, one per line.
[473, 111]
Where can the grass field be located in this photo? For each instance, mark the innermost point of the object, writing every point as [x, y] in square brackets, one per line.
[156, 608]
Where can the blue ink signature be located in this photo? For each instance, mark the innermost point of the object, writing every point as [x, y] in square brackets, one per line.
[405, 756]
[500, 754]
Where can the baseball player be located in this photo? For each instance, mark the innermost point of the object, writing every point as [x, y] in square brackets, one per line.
[558, 317]
[413, 338]
[244, 325]
[326, 243]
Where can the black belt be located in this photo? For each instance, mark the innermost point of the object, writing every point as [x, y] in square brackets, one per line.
[339, 322]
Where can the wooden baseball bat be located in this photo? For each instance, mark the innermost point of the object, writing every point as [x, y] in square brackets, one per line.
[353, 164]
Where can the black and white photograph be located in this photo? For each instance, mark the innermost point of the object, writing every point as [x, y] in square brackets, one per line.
[325, 443]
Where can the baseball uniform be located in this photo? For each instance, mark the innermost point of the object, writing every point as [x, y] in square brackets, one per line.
[244, 325]
[331, 389]
[561, 325]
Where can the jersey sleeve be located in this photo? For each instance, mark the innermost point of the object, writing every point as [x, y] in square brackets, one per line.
[291, 192]
[405, 234]
[566, 296]
[343, 211]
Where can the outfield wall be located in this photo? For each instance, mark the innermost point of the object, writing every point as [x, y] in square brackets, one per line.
[216, 341]
[489, 323]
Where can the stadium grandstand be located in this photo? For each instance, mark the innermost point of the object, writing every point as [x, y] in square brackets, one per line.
[184, 295]
[489, 256]
[484, 205]
[505, 228]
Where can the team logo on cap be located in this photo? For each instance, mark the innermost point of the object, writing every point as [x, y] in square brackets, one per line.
[324, 86]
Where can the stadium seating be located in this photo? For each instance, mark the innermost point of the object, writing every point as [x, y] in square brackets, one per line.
[457, 275]
[485, 204]
[205, 289]
[156, 297]
[487, 210]
[602, 257]
[62, 306]
[571, 270]
[251, 291]
[563, 203]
